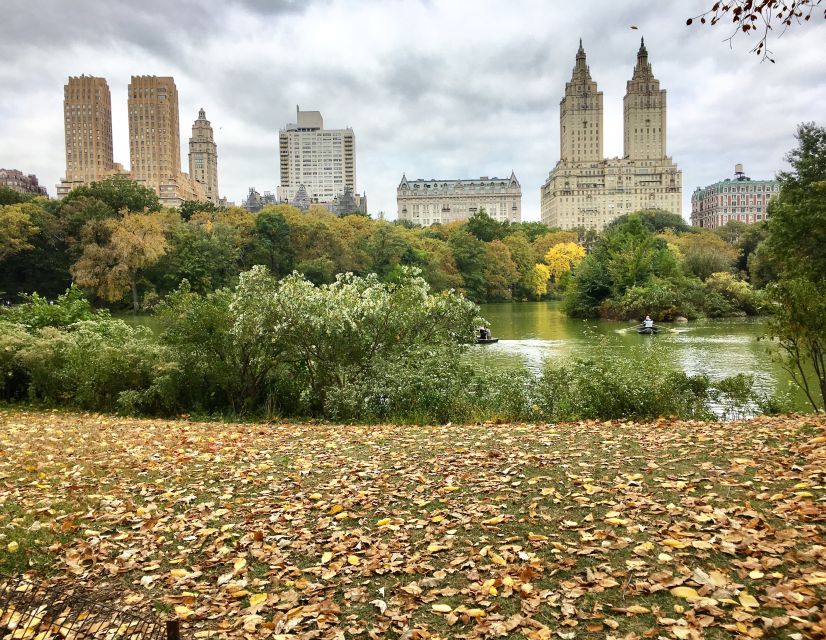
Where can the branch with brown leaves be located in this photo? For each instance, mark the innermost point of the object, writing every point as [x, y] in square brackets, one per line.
[754, 16]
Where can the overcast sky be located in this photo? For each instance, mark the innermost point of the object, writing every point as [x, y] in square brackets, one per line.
[434, 89]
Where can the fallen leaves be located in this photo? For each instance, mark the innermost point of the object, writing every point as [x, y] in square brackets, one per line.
[687, 530]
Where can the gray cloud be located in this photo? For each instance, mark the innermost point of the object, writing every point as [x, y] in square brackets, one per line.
[434, 89]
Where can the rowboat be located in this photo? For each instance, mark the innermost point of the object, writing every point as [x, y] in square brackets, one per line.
[487, 340]
[647, 331]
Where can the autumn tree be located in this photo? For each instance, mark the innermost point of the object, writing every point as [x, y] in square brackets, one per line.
[705, 252]
[16, 228]
[538, 280]
[563, 257]
[500, 271]
[760, 17]
[137, 241]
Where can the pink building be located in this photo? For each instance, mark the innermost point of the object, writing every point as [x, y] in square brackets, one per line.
[741, 199]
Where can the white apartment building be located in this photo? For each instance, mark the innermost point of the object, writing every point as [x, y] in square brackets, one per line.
[426, 202]
[321, 160]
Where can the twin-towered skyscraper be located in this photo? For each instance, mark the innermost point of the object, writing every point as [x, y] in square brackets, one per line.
[585, 189]
[154, 140]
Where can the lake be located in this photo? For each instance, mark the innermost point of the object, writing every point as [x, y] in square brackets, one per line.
[531, 332]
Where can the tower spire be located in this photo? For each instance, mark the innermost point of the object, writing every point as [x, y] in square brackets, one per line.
[643, 52]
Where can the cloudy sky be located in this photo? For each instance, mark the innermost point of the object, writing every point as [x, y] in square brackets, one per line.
[437, 88]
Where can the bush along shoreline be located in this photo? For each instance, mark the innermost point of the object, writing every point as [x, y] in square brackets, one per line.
[358, 350]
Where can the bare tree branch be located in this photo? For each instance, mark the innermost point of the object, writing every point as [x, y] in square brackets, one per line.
[754, 16]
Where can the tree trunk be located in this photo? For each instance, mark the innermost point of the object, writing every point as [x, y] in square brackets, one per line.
[135, 303]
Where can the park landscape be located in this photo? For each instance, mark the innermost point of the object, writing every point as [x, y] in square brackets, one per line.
[278, 424]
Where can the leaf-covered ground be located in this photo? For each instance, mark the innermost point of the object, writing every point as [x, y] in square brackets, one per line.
[673, 530]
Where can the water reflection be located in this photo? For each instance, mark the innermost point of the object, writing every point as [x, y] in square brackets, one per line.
[532, 332]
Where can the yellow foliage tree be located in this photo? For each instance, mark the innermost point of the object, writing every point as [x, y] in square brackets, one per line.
[538, 280]
[16, 228]
[563, 257]
[136, 241]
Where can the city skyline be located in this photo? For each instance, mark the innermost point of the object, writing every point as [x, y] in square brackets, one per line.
[440, 91]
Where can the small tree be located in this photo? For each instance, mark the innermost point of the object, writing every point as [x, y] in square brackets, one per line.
[563, 257]
[137, 241]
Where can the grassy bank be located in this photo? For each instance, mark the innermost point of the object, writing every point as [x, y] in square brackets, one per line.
[671, 529]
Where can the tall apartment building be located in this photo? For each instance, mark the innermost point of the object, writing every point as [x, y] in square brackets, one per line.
[203, 157]
[154, 130]
[87, 119]
[322, 160]
[155, 141]
[426, 202]
[18, 181]
[585, 189]
[741, 199]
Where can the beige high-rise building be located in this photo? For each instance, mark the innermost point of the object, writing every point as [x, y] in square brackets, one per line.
[203, 157]
[322, 160]
[586, 190]
[154, 130]
[87, 118]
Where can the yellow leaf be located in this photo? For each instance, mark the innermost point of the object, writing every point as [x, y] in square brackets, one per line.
[494, 520]
[496, 558]
[756, 574]
[442, 608]
[342, 515]
[748, 601]
[535, 537]
[12, 546]
[315, 496]
[437, 519]
[354, 560]
[475, 613]
[643, 548]
[336, 508]
[384, 521]
[178, 573]
[433, 547]
[685, 592]
[326, 557]
[617, 521]
[183, 612]
[635, 608]
[702, 544]
[258, 598]
[674, 544]
[239, 564]
[451, 488]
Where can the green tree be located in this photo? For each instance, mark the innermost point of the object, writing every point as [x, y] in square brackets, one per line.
[655, 220]
[188, 208]
[205, 255]
[119, 193]
[271, 242]
[797, 217]
[469, 253]
[796, 245]
[10, 196]
[481, 225]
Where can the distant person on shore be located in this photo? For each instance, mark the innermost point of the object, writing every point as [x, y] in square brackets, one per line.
[648, 323]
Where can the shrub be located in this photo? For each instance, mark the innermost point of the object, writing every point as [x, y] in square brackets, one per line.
[37, 312]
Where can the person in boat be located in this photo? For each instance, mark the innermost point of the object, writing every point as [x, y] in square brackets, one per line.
[484, 334]
[648, 323]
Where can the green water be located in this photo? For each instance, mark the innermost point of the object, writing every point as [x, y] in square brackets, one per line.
[531, 332]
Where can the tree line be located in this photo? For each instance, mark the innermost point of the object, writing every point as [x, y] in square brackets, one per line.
[113, 239]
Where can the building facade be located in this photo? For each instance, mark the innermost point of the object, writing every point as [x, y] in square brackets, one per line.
[321, 160]
[87, 121]
[585, 189]
[426, 202]
[20, 182]
[154, 130]
[203, 157]
[741, 199]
